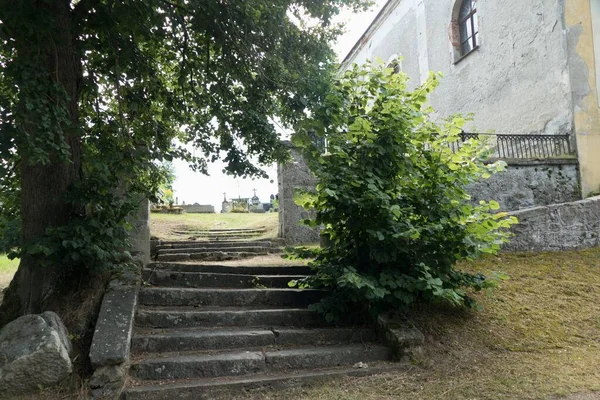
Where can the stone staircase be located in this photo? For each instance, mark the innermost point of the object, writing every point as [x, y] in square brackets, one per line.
[214, 250]
[214, 331]
[220, 234]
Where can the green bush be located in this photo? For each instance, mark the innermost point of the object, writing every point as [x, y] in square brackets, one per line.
[391, 197]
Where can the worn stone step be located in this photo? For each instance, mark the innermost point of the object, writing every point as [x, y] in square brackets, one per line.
[166, 278]
[197, 340]
[238, 249]
[207, 256]
[214, 235]
[219, 245]
[169, 317]
[228, 230]
[237, 363]
[277, 241]
[229, 297]
[229, 388]
[226, 269]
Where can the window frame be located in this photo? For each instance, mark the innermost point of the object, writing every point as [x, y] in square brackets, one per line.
[462, 25]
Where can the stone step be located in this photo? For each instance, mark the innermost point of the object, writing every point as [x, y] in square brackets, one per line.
[226, 269]
[228, 230]
[229, 388]
[272, 240]
[219, 245]
[239, 249]
[229, 297]
[240, 317]
[166, 278]
[198, 340]
[218, 234]
[212, 256]
[235, 363]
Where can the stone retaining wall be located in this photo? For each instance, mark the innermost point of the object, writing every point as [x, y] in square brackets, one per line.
[109, 352]
[292, 176]
[565, 226]
[140, 232]
[530, 183]
[524, 184]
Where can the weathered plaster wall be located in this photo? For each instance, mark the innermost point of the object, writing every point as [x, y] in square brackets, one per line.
[564, 226]
[293, 176]
[581, 20]
[530, 183]
[516, 82]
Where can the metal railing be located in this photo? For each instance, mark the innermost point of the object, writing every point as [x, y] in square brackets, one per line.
[521, 146]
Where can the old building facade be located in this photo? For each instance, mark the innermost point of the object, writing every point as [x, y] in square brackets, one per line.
[521, 67]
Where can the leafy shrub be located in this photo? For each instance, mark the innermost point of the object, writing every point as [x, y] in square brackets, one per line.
[391, 197]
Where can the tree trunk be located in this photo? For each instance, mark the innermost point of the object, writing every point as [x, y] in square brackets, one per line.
[43, 186]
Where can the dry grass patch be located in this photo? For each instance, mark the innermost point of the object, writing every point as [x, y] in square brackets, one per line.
[537, 336]
[163, 225]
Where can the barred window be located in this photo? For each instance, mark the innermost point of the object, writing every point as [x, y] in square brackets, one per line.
[467, 26]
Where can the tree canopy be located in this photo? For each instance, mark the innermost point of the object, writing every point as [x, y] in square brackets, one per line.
[94, 94]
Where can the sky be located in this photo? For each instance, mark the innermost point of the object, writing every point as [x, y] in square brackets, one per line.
[191, 187]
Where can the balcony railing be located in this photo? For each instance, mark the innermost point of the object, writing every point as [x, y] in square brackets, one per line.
[522, 146]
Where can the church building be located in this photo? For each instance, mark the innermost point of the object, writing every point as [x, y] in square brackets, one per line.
[528, 67]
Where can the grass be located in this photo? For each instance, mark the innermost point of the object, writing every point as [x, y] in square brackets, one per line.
[537, 336]
[163, 225]
[7, 271]
[8, 266]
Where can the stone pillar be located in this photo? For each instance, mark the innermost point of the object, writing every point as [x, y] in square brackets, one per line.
[292, 176]
[140, 233]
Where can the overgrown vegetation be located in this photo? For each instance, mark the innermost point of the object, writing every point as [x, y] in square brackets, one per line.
[391, 197]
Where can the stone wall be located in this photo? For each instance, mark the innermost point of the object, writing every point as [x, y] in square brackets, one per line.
[530, 183]
[565, 226]
[110, 348]
[140, 233]
[198, 208]
[292, 176]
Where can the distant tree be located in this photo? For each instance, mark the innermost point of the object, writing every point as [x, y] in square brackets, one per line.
[92, 92]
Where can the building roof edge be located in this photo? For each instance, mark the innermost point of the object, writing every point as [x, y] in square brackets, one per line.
[381, 15]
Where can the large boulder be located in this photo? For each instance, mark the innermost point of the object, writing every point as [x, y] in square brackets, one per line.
[34, 353]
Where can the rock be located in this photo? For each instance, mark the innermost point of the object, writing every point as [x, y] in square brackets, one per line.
[34, 353]
[401, 335]
[107, 381]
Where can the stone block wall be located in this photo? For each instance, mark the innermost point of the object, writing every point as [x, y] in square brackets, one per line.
[140, 234]
[565, 226]
[198, 208]
[524, 184]
[530, 183]
[292, 176]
